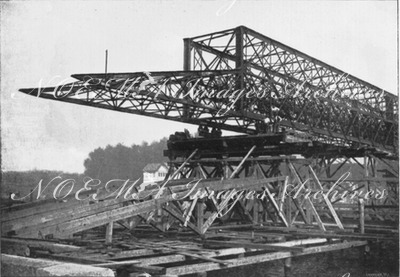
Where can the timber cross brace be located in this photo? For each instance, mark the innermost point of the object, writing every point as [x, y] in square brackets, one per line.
[239, 80]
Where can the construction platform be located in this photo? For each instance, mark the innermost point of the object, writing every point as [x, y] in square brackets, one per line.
[180, 252]
[226, 202]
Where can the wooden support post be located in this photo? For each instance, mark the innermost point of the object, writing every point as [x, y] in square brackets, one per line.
[289, 212]
[188, 213]
[160, 218]
[200, 216]
[265, 213]
[282, 194]
[287, 267]
[362, 215]
[109, 232]
[255, 212]
[366, 172]
[226, 170]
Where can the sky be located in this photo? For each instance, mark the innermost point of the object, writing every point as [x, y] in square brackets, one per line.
[45, 41]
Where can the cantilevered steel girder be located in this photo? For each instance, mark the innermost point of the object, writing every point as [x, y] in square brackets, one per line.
[239, 79]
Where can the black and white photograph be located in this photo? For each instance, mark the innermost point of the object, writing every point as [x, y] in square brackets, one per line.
[199, 138]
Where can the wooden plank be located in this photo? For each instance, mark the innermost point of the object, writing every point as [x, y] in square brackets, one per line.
[37, 218]
[362, 179]
[195, 268]
[44, 220]
[332, 247]
[173, 258]
[103, 218]
[48, 224]
[252, 245]
[117, 264]
[300, 242]
[181, 256]
[165, 259]
[320, 234]
[43, 245]
[201, 257]
[39, 207]
[149, 269]
[128, 254]
[11, 248]
[65, 258]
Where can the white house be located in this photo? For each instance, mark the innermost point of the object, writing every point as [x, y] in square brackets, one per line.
[154, 172]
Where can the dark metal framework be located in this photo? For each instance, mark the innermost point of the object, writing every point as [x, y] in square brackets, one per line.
[237, 80]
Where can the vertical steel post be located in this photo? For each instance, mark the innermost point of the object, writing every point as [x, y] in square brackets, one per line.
[239, 62]
[239, 36]
[187, 48]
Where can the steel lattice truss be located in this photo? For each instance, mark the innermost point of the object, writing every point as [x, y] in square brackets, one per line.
[237, 80]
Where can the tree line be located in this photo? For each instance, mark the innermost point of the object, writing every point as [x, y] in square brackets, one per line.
[122, 162]
[110, 162]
